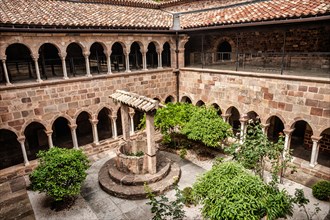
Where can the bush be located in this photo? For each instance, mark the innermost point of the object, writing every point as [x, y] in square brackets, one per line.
[188, 197]
[321, 190]
[60, 173]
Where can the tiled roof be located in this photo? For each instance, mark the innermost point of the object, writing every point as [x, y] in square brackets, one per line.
[134, 100]
[67, 13]
[255, 12]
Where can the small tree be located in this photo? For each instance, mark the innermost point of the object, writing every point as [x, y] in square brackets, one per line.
[60, 173]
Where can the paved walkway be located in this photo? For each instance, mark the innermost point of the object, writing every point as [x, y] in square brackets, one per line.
[94, 203]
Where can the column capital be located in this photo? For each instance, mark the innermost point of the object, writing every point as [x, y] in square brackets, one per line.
[316, 138]
[225, 115]
[86, 54]
[35, 56]
[72, 126]
[264, 125]
[113, 117]
[94, 121]
[62, 55]
[21, 139]
[48, 132]
[288, 131]
[243, 119]
[3, 59]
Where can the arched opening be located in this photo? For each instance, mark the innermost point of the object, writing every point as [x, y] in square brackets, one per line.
[157, 99]
[324, 151]
[104, 125]
[97, 59]
[166, 55]
[84, 129]
[62, 133]
[35, 139]
[186, 99]
[233, 119]
[169, 99]
[200, 103]
[138, 116]
[135, 56]
[75, 59]
[19, 63]
[253, 117]
[301, 142]
[118, 123]
[117, 57]
[224, 51]
[275, 128]
[49, 61]
[10, 149]
[217, 108]
[152, 57]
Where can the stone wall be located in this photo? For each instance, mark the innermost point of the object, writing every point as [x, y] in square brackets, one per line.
[288, 97]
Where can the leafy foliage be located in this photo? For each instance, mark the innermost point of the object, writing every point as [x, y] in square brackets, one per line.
[197, 123]
[60, 173]
[321, 190]
[163, 208]
[137, 154]
[228, 191]
[302, 201]
[188, 197]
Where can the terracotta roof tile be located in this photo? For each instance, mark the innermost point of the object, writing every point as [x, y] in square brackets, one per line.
[257, 11]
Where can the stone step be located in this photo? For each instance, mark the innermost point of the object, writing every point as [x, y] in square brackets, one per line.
[137, 192]
[138, 179]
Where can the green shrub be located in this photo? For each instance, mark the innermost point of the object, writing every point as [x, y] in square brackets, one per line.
[60, 173]
[321, 190]
[183, 153]
[137, 154]
[188, 197]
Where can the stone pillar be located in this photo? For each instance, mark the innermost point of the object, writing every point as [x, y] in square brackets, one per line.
[265, 128]
[287, 141]
[88, 70]
[114, 126]
[94, 130]
[181, 57]
[49, 136]
[151, 145]
[243, 121]
[21, 140]
[225, 117]
[160, 65]
[125, 121]
[5, 71]
[73, 128]
[315, 150]
[144, 61]
[35, 59]
[65, 73]
[127, 62]
[109, 63]
[131, 115]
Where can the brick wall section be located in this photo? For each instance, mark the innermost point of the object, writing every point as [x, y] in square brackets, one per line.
[290, 98]
[325, 142]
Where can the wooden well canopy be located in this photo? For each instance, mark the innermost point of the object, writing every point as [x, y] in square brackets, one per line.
[135, 101]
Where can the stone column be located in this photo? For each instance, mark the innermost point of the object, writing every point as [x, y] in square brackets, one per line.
[73, 128]
[127, 62]
[144, 61]
[109, 63]
[315, 150]
[225, 117]
[265, 128]
[151, 145]
[287, 141]
[35, 59]
[5, 71]
[114, 126]
[21, 140]
[125, 121]
[94, 130]
[65, 73]
[131, 115]
[160, 65]
[243, 121]
[88, 70]
[49, 136]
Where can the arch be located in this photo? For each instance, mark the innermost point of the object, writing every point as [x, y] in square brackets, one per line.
[76, 115]
[301, 142]
[35, 139]
[152, 56]
[169, 99]
[10, 149]
[217, 108]
[200, 103]
[20, 65]
[62, 133]
[84, 128]
[295, 120]
[233, 119]
[97, 58]
[252, 115]
[104, 124]
[166, 55]
[224, 51]
[186, 99]
[50, 61]
[282, 119]
[275, 128]
[118, 49]
[75, 59]
[135, 55]
[35, 120]
[157, 99]
[118, 123]
[68, 118]
[324, 151]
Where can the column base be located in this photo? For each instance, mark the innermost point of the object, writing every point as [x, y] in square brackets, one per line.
[127, 71]
[65, 77]
[144, 69]
[26, 163]
[109, 73]
[89, 75]
[9, 84]
[39, 80]
[160, 67]
[313, 165]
